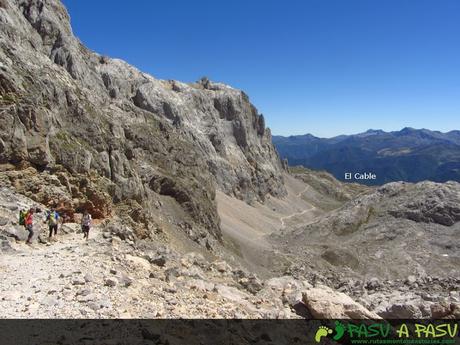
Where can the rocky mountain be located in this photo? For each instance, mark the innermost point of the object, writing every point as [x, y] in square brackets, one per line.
[194, 214]
[409, 155]
[96, 133]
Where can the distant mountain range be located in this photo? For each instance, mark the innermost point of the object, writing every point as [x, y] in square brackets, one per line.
[407, 155]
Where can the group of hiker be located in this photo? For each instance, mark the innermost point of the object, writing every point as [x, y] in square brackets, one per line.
[29, 219]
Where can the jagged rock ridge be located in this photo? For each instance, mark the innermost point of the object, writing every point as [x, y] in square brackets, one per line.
[138, 137]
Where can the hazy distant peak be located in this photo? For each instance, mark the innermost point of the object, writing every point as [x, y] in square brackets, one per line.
[369, 132]
[392, 156]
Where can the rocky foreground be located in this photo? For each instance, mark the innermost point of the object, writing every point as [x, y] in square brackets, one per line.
[393, 248]
[113, 275]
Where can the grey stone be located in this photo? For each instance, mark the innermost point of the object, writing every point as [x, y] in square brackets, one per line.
[112, 282]
[88, 278]
[84, 292]
[18, 232]
[221, 266]
[158, 260]
[78, 281]
[4, 221]
[105, 303]
[411, 279]
[94, 305]
[49, 301]
[125, 280]
[402, 311]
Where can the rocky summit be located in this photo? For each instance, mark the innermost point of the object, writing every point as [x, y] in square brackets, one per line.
[194, 215]
[71, 112]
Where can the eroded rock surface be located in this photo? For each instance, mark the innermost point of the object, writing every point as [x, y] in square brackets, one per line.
[67, 109]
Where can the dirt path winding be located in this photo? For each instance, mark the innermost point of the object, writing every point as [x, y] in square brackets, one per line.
[41, 279]
[311, 208]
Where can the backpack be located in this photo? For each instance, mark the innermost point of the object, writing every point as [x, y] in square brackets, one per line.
[52, 218]
[22, 217]
[86, 221]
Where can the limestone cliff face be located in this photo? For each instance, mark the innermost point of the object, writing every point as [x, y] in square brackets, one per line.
[65, 108]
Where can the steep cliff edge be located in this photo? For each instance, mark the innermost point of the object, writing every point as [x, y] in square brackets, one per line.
[96, 133]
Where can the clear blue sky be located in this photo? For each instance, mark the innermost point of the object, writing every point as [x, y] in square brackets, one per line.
[324, 67]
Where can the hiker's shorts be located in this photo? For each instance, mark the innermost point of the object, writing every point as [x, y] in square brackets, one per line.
[85, 228]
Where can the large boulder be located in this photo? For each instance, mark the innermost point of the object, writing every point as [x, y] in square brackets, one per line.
[402, 311]
[18, 232]
[325, 303]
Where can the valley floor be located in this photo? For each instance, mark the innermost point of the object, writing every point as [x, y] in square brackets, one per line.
[246, 227]
[329, 233]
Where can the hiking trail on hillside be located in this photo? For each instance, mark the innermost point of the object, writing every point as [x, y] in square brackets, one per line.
[105, 277]
[296, 214]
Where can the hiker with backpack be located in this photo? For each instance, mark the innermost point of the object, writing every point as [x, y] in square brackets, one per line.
[29, 223]
[52, 218]
[86, 224]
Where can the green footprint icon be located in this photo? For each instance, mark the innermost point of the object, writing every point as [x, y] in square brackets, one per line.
[322, 331]
[339, 330]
